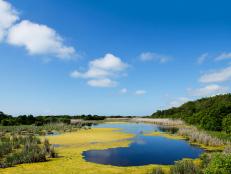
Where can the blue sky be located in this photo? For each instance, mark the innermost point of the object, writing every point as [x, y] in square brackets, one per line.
[111, 57]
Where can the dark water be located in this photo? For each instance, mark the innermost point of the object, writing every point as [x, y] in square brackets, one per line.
[144, 149]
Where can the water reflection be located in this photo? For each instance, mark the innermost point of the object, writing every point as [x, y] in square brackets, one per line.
[144, 149]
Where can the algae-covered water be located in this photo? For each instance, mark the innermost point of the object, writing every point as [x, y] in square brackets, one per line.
[144, 149]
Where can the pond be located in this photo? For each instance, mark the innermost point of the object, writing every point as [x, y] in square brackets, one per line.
[143, 150]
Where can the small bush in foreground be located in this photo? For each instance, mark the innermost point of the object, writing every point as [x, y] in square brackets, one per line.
[24, 149]
[185, 167]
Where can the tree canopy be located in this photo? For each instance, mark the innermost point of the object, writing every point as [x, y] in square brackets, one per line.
[211, 113]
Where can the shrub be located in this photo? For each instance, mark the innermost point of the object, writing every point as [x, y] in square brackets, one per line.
[5, 148]
[205, 158]
[185, 167]
[24, 149]
[220, 164]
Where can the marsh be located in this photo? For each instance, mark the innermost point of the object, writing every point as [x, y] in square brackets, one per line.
[144, 149]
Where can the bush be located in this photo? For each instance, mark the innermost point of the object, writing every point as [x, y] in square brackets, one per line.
[205, 158]
[24, 149]
[220, 164]
[185, 167]
[5, 148]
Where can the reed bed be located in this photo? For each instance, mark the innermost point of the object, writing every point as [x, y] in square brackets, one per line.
[160, 121]
[201, 137]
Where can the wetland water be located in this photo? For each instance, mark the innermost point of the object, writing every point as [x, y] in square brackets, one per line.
[143, 150]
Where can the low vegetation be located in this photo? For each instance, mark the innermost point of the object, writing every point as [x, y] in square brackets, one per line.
[209, 163]
[24, 149]
[157, 170]
[185, 166]
[198, 136]
[40, 130]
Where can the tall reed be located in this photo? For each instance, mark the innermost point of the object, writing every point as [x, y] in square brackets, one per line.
[196, 136]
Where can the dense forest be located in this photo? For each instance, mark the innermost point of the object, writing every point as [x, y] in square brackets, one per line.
[212, 113]
[9, 120]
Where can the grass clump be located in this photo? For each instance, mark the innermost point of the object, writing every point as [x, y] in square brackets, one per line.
[157, 170]
[201, 137]
[24, 149]
[185, 166]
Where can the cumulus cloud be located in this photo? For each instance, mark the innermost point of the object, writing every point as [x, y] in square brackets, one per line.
[202, 58]
[123, 90]
[209, 90]
[109, 62]
[223, 56]
[140, 92]
[8, 16]
[101, 71]
[179, 101]
[38, 39]
[217, 76]
[102, 83]
[150, 56]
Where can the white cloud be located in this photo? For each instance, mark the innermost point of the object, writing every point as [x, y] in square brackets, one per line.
[140, 92]
[149, 56]
[123, 90]
[218, 76]
[179, 101]
[91, 73]
[202, 58]
[109, 62]
[223, 56]
[8, 16]
[209, 90]
[39, 39]
[102, 68]
[102, 83]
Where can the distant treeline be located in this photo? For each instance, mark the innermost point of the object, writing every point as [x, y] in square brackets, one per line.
[9, 120]
[212, 113]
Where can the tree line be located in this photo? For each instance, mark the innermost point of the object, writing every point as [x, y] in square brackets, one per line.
[211, 113]
[9, 120]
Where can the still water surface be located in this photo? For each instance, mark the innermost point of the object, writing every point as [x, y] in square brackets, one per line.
[143, 150]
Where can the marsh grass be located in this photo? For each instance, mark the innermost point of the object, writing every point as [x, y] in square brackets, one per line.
[160, 121]
[24, 149]
[185, 166]
[227, 149]
[157, 170]
[201, 137]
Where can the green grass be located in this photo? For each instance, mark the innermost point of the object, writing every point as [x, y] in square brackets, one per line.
[221, 135]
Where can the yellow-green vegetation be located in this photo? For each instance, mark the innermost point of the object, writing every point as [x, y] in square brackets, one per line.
[166, 135]
[209, 148]
[70, 151]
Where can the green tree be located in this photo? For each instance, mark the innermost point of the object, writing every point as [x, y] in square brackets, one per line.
[226, 124]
